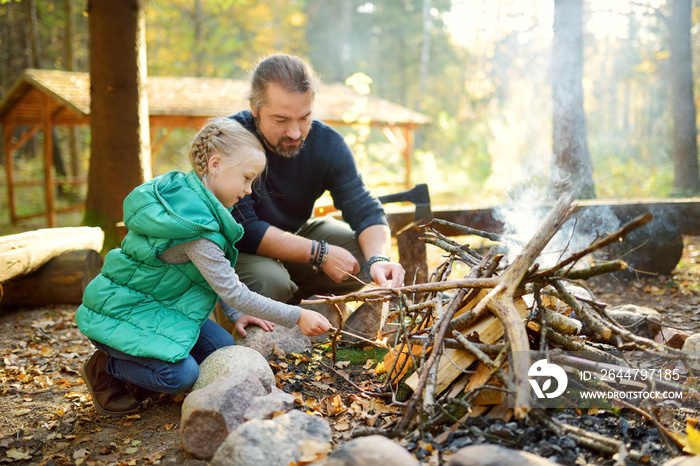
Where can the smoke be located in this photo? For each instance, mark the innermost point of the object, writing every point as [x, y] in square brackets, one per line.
[525, 211]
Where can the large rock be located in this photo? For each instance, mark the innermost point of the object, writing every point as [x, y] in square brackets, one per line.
[657, 247]
[211, 413]
[374, 450]
[236, 360]
[289, 340]
[275, 442]
[494, 455]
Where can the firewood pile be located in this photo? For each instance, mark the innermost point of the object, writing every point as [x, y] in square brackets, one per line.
[469, 345]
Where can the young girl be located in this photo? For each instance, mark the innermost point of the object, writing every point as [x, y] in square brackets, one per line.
[148, 310]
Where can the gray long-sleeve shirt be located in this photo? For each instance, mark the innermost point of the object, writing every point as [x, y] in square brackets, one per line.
[221, 276]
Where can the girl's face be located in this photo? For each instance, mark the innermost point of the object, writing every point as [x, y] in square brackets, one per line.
[231, 182]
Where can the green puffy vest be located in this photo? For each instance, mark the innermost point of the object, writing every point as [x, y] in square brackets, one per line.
[141, 305]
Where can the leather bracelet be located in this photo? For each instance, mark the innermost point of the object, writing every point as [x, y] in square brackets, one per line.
[376, 258]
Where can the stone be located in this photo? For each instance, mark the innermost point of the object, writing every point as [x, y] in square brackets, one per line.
[264, 407]
[692, 348]
[640, 320]
[289, 340]
[274, 442]
[494, 455]
[211, 413]
[683, 461]
[237, 360]
[656, 247]
[364, 321]
[373, 450]
[672, 337]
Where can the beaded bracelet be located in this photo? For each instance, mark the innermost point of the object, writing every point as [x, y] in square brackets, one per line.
[376, 258]
[319, 255]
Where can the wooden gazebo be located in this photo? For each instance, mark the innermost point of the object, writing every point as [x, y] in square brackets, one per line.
[42, 99]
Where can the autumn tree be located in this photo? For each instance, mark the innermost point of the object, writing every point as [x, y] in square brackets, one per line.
[572, 169]
[685, 146]
[120, 147]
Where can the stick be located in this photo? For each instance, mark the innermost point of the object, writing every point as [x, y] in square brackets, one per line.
[375, 343]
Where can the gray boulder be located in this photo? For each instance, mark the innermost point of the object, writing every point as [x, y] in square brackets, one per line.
[289, 340]
[236, 360]
[374, 450]
[274, 442]
[211, 413]
[494, 455]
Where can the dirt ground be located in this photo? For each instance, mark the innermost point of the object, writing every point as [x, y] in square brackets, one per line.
[47, 418]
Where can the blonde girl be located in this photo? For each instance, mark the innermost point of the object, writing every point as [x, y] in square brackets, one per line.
[148, 310]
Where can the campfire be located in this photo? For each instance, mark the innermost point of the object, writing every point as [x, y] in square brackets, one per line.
[503, 340]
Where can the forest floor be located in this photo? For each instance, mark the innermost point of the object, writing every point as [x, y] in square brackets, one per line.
[47, 417]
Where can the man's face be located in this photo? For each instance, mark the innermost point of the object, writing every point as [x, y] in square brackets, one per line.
[285, 121]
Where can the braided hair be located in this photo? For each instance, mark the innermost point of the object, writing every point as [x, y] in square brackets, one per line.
[223, 136]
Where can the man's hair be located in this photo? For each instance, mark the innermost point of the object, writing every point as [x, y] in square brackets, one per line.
[289, 72]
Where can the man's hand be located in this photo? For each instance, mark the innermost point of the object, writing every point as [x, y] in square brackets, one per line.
[390, 274]
[312, 324]
[340, 264]
[245, 320]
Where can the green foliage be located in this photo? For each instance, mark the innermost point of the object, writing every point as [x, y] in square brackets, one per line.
[361, 355]
[489, 100]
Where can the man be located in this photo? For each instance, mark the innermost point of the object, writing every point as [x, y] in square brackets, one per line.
[285, 254]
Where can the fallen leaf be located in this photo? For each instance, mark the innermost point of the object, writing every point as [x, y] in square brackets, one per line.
[333, 405]
[693, 438]
[312, 451]
[341, 426]
[16, 454]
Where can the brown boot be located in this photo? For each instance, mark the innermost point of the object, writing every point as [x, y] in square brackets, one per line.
[139, 393]
[109, 394]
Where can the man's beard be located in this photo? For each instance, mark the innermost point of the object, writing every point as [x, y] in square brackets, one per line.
[284, 151]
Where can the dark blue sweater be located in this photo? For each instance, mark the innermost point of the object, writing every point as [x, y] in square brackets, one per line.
[287, 190]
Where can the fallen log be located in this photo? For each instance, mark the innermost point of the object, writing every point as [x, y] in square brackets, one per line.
[62, 280]
[24, 253]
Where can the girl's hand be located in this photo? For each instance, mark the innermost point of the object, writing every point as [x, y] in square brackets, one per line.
[245, 320]
[312, 324]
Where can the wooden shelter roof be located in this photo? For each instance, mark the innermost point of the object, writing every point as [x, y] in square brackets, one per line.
[171, 98]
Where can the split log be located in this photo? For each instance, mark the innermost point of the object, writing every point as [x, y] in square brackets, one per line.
[62, 280]
[24, 253]
[487, 329]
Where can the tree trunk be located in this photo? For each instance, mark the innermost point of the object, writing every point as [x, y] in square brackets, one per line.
[572, 169]
[120, 146]
[62, 280]
[685, 146]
